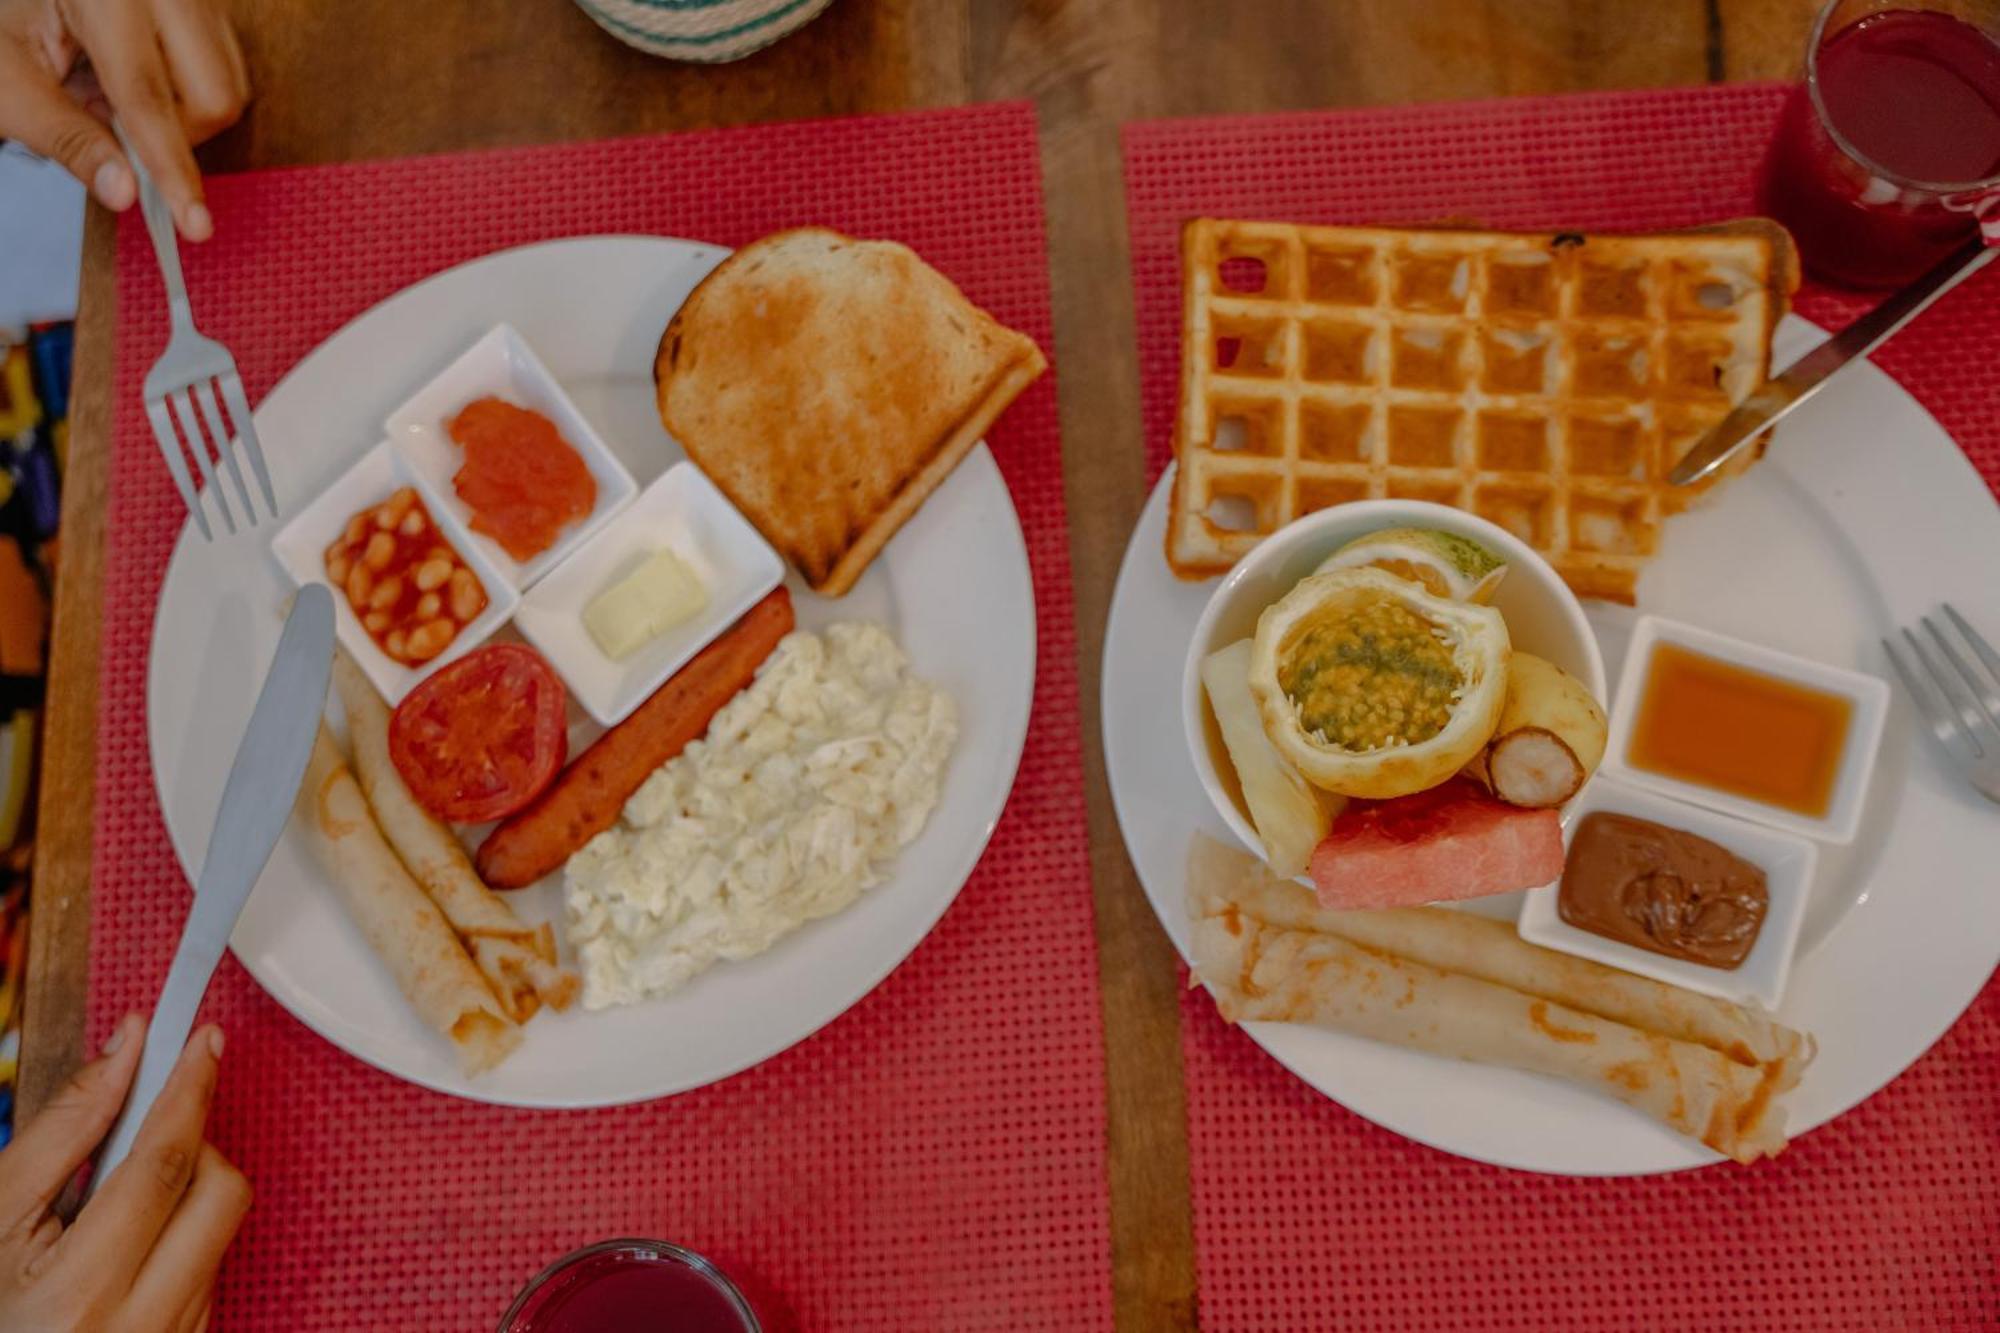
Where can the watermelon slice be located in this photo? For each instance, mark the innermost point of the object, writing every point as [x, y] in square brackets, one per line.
[1450, 842]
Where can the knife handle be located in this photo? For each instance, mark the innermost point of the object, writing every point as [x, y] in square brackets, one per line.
[173, 1018]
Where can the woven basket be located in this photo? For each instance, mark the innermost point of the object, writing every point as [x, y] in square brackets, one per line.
[710, 31]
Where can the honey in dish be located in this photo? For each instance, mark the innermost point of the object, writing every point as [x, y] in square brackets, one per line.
[1739, 731]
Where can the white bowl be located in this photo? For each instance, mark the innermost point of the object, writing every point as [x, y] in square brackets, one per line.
[1786, 860]
[300, 549]
[1543, 616]
[502, 365]
[682, 511]
[1869, 696]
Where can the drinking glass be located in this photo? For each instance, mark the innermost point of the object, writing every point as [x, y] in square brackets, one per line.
[634, 1286]
[1889, 149]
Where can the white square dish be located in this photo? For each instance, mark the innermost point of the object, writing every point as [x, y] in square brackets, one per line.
[300, 548]
[684, 512]
[1869, 696]
[502, 365]
[1786, 859]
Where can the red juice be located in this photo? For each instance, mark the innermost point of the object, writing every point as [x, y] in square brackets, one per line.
[631, 1287]
[1915, 95]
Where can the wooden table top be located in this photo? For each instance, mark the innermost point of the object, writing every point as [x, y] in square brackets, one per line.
[382, 78]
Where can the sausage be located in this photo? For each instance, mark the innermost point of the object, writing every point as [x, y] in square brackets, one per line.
[588, 796]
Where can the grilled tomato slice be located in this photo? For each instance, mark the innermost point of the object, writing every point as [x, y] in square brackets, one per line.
[483, 736]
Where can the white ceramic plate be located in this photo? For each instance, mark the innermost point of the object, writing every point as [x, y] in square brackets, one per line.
[1863, 516]
[595, 307]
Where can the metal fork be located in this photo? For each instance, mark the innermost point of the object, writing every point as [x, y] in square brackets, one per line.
[186, 380]
[1958, 692]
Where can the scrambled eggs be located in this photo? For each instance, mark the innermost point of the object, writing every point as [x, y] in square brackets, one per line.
[804, 787]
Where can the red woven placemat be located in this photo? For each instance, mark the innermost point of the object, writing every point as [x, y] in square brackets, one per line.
[1307, 1215]
[932, 1160]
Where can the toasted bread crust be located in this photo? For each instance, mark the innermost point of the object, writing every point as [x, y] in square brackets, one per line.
[828, 386]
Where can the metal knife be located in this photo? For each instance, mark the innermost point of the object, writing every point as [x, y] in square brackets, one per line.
[256, 803]
[1805, 376]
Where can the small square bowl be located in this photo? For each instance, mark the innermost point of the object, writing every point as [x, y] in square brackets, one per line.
[1786, 859]
[300, 548]
[682, 511]
[1869, 696]
[502, 365]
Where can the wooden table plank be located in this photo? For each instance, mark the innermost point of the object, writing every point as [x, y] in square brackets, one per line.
[1087, 65]
[370, 78]
[52, 1003]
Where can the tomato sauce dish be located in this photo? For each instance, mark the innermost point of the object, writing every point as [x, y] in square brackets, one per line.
[538, 481]
[521, 480]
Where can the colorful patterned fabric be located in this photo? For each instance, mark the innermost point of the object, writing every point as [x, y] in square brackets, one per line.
[34, 396]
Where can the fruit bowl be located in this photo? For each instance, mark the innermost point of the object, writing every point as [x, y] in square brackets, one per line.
[1543, 616]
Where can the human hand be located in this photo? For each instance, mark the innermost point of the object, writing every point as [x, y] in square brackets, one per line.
[170, 70]
[143, 1253]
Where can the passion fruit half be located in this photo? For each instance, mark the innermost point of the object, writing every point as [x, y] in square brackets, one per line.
[1372, 687]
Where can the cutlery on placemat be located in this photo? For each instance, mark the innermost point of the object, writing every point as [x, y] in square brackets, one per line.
[1805, 376]
[256, 803]
[188, 376]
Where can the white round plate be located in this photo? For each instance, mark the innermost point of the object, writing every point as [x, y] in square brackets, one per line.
[593, 308]
[1863, 516]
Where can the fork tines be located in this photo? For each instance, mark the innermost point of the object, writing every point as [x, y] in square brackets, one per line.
[1954, 677]
[192, 419]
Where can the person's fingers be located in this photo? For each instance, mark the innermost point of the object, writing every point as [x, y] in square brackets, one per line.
[180, 1272]
[49, 1149]
[205, 64]
[196, 1319]
[116, 1229]
[123, 44]
[47, 120]
[35, 1253]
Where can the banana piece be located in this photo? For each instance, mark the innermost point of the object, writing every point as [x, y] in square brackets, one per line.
[1550, 739]
[1289, 813]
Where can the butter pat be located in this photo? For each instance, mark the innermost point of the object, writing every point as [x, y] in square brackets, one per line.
[652, 599]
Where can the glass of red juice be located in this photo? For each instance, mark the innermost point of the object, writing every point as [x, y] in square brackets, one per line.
[1892, 140]
[631, 1286]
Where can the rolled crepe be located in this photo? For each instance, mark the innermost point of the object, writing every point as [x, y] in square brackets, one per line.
[403, 926]
[517, 960]
[1490, 950]
[1267, 956]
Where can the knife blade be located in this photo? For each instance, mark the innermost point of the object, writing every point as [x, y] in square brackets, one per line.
[1806, 376]
[256, 804]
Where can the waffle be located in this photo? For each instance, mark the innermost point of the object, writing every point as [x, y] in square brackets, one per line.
[1545, 382]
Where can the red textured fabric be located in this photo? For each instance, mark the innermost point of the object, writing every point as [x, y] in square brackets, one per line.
[932, 1160]
[1307, 1216]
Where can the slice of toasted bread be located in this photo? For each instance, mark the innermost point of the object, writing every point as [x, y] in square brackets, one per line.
[828, 385]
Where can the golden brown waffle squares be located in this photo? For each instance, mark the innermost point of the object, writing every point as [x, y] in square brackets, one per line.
[1546, 382]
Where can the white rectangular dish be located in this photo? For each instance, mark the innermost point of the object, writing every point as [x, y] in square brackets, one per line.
[682, 512]
[502, 365]
[1868, 695]
[1786, 859]
[300, 549]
